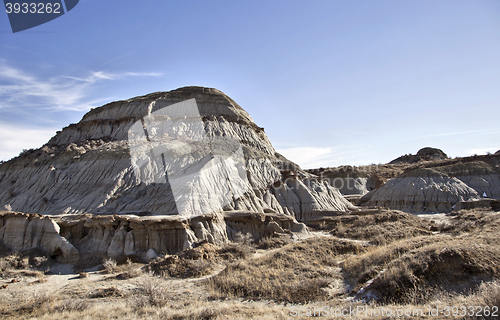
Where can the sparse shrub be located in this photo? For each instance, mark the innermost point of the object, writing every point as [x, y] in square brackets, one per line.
[107, 292]
[273, 243]
[153, 291]
[4, 265]
[71, 305]
[38, 303]
[109, 265]
[235, 251]
[245, 239]
[190, 263]
[26, 152]
[128, 270]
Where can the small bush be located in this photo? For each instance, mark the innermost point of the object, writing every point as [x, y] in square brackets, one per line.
[235, 251]
[272, 243]
[109, 266]
[38, 303]
[71, 305]
[153, 291]
[128, 271]
[107, 292]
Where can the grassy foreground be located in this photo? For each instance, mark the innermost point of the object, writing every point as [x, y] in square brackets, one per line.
[381, 266]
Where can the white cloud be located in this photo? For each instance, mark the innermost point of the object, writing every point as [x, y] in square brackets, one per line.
[477, 132]
[16, 138]
[308, 157]
[19, 88]
[482, 151]
[144, 74]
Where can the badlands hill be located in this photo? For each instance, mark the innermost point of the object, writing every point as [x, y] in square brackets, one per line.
[428, 182]
[424, 154]
[103, 191]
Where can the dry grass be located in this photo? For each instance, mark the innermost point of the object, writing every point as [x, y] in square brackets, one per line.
[124, 271]
[459, 266]
[488, 294]
[295, 274]
[199, 261]
[109, 265]
[414, 270]
[383, 228]
[273, 243]
[151, 292]
[107, 292]
[469, 221]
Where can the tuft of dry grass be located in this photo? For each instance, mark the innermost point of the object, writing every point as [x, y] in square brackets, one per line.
[83, 275]
[70, 305]
[109, 265]
[128, 270]
[272, 243]
[488, 294]
[107, 292]
[151, 292]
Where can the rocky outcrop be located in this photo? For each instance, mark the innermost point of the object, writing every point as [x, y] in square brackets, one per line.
[482, 176]
[86, 168]
[118, 235]
[260, 225]
[68, 237]
[20, 231]
[422, 190]
[348, 182]
[424, 154]
[100, 166]
[432, 154]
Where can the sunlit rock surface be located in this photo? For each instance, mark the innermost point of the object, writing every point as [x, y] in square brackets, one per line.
[87, 168]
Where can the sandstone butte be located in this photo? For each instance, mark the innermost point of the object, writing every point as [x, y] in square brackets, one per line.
[79, 195]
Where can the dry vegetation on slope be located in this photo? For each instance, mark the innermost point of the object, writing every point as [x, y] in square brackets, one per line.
[392, 260]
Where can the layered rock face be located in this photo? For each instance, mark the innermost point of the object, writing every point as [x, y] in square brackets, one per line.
[482, 176]
[87, 168]
[25, 231]
[422, 190]
[441, 187]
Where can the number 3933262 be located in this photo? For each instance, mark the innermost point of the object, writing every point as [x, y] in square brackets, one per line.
[28, 14]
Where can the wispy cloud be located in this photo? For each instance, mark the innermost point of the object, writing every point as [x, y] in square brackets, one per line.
[144, 74]
[16, 138]
[488, 131]
[307, 157]
[20, 88]
[491, 149]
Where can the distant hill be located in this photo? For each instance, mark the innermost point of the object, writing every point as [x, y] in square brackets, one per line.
[424, 154]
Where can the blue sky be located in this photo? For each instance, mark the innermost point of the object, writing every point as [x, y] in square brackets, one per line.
[332, 82]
